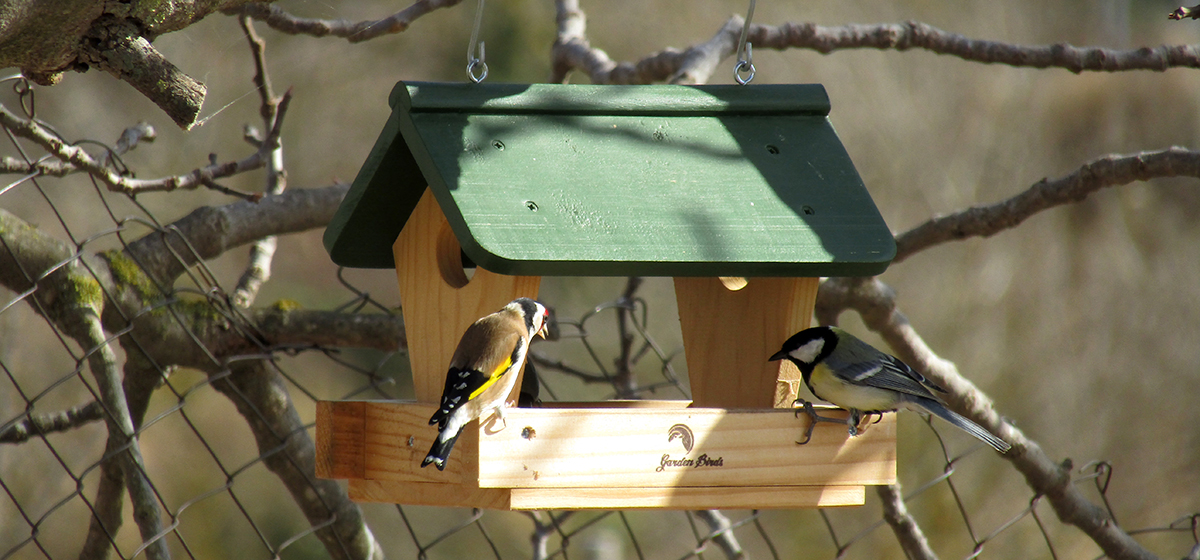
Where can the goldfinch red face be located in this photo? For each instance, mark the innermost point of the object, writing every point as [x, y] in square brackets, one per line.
[535, 315]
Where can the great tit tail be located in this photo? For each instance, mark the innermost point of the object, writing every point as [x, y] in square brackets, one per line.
[937, 409]
[440, 451]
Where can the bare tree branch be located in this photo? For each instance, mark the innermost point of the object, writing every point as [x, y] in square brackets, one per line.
[134, 135]
[261, 397]
[102, 362]
[540, 537]
[875, 302]
[141, 377]
[115, 181]
[692, 66]
[722, 533]
[698, 62]
[106, 510]
[212, 230]
[262, 251]
[625, 382]
[912, 540]
[355, 32]
[48, 165]
[305, 328]
[43, 166]
[913, 34]
[1108, 171]
[695, 64]
[587, 377]
[117, 46]
[46, 423]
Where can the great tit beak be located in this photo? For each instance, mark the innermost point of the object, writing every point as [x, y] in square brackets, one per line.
[778, 356]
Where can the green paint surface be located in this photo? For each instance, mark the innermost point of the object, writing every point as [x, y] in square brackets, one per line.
[620, 180]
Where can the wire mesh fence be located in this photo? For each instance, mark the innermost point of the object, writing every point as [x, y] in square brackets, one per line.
[213, 446]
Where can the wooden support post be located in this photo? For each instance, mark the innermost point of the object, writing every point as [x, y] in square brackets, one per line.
[438, 301]
[729, 335]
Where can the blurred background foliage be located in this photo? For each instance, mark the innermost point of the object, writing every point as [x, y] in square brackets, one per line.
[1083, 324]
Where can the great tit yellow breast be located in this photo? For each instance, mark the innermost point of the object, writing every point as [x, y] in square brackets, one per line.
[829, 387]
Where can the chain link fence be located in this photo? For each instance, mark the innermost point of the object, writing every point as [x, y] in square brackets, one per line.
[211, 470]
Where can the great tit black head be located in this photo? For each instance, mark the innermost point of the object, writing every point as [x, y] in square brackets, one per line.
[839, 368]
[808, 347]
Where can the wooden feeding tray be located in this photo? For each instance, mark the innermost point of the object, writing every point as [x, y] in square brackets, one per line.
[695, 183]
[654, 454]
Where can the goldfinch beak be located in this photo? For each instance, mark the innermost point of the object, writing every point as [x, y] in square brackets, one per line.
[542, 331]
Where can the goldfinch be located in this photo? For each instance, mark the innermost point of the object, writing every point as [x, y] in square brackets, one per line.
[849, 373]
[484, 370]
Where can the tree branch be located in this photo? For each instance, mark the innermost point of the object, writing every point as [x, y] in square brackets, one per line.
[908, 532]
[1108, 171]
[261, 397]
[355, 32]
[212, 230]
[41, 166]
[141, 377]
[86, 329]
[692, 66]
[117, 46]
[303, 328]
[48, 166]
[913, 34]
[721, 532]
[115, 181]
[695, 65]
[875, 302]
[38, 424]
[587, 377]
[262, 251]
[624, 380]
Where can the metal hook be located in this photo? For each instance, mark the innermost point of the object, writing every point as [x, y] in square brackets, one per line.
[477, 68]
[745, 52]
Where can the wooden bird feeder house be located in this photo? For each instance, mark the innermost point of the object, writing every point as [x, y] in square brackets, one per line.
[695, 183]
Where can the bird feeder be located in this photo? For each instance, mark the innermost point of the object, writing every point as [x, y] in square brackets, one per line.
[695, 183]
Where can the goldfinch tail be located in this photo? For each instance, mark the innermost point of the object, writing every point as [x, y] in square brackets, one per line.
[936, 408]
[439, 452]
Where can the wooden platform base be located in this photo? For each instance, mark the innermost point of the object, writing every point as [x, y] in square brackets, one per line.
[606, 457]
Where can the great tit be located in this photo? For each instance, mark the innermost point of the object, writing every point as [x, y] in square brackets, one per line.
[849, 373]
[484, 370]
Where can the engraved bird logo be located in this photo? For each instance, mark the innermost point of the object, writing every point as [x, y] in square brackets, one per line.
[684, 434]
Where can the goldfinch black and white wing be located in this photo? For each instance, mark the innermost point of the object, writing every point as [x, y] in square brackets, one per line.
[468, 378]
[483, 371]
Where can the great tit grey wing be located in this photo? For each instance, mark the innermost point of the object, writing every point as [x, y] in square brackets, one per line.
[853, 371]
[910, 372]
[901, 377]
[883, 371]
[897, 375]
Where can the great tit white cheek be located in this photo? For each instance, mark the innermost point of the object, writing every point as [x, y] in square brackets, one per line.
[808, 352]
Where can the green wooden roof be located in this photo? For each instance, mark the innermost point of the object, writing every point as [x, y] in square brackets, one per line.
[593, 180]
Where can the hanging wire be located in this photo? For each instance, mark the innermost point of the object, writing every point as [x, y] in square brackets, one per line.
[477, 68]
[745, 54]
